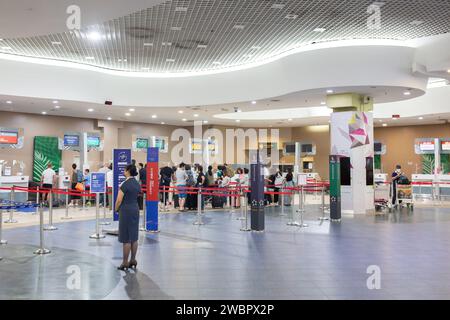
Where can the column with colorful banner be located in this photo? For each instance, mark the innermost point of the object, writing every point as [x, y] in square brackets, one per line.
[335, 188]
[257, 193]
[121, 159]
[152, 198]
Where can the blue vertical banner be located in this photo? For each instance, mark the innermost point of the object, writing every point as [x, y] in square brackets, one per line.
[121, 159]
[257, 192]
[152, 197]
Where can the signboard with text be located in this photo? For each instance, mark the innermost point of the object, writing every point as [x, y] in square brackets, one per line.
[121, 159]
[98, 182]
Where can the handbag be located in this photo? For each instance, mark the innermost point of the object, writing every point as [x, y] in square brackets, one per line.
[79, 186]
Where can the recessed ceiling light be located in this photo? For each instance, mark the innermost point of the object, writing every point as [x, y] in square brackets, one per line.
[407, 93]
[44, 113]
[320, 30]
[91, 110]
[181, 9]
[384, 124]
[132, 110]
[90, 58]
[55, 102]
[323, 103]
[239, 26]
[154, 116]
[57, 107]
[9, 102]
[329, 91]
[380, 120]
[56, 43]
[217, 63]
[180, 111]
[292, 16]
[128, 114]
[253, 102]
[289, 119]
[175, 28]
[166, 44]
[6, 48]
[1, 39]
[94, 36]
[196, 115]
[148, 44]
[109, 118]
[278, 6]
[420, 118]
[202, 46]
[205, 121]
[170, 60]
[184, 120]
[163, 123]
[238, 120]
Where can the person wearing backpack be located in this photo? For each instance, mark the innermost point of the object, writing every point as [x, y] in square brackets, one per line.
[76, 179]
[191, 199]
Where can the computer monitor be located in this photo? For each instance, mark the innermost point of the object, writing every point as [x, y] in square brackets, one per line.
[307, 148]
[93, 141]
[71, 140]
[9, 137]
[141, 143]
[378, 147]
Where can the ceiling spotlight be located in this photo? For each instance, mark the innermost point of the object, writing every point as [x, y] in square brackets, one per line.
[109, 118]
[196, 115]
[56, 43]
[291, 16]
[420, 118]
[253, 102]
[154, 116]
[55, 102]
[6, 48]
[180, 111]
[91, 110]
[132, 110]
[289, 119]
[238, 120]
[170, 60]
[202, 46]
[181, 9]
[44, 113]
[94, 36]
[239, 26]
[323, 103]
[329, 91]
[217, 63]
[57, 107]
[148, 44]
[384, 124]
[184, 120]
[319, 30]
[175, 28]
[407, 93]
[9, 102]
[90, 58]
[163, 123]
[128, 114]
[205, 121]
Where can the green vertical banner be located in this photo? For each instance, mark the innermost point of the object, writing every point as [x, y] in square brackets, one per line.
[335, 188]
[46, 150]
[377, 160]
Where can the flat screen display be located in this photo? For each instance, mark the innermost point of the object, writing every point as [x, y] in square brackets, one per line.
[141, 143]
[345, 171]
[378, 147]
[307, 148]
[289, 148]
[9, 137]
[427, 146]
[160, 144]
[93, 142]
[445, 145]
[71, 140]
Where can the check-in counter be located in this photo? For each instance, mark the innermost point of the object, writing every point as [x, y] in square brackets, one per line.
[443, 185]
[422, 185]
[14, 181]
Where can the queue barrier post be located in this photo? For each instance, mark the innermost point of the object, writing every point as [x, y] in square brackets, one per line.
[97, 234]
[11, 211]
[2, 241]
[144, 218]
[38, 197]
[302, 208]
[245, 205]
[324, 208]
[105, 222]
[293, 222]
[239, 192]
[282, 214]
[199, 221]
[50, 226]
[66, 217]
[164, 208]
[42, 250]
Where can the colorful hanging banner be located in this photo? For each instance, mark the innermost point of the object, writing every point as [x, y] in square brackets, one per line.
[152, 197]
[121, 159]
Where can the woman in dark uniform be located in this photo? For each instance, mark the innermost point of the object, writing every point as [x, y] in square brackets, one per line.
[128, 208]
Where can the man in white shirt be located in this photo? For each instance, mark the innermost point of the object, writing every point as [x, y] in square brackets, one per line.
[48, 179]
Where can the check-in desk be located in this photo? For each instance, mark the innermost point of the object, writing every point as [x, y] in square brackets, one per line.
[14, 181]
[443, 186]
[422, 185]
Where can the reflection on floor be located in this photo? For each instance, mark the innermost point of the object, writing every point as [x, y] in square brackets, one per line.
[218, 261]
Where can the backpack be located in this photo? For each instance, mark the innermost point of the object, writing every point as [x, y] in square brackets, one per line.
[190, 182]
[403, 180]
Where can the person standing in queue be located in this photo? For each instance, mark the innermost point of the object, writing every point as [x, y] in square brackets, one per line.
[48, 179]
[128, 208]
[396, 175]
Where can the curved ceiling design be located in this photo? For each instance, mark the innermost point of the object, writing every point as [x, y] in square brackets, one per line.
[182, 36]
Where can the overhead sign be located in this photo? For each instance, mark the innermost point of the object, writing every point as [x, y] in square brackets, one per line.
[98, 182]
[426, 146]
[445, 145]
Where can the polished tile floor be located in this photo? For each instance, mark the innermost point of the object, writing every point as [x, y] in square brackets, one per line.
[218, 261]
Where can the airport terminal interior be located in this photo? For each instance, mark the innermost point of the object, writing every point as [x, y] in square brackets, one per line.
[224, 150]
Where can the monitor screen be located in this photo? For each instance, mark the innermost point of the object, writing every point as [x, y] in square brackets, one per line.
[141, 143]
[378, 147]
[71, 140]
[307, 148]
[93, 142]
[160, 143]
[345, 171]
[9, 137]
[289, 148]
[426, 146]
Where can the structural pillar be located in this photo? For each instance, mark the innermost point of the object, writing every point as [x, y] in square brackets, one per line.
[352, 141]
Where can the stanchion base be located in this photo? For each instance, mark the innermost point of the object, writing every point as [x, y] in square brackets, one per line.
[323, 219]
[3, 242]
[240, 218]
[142, 229]
[42, 251]
[50, 228]
[11, 221]
[154, 231]
[106, 223]
[197, 223]
[97, 236]
[293, 224]
[245, 229]
[335, 220]
[66, 218]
